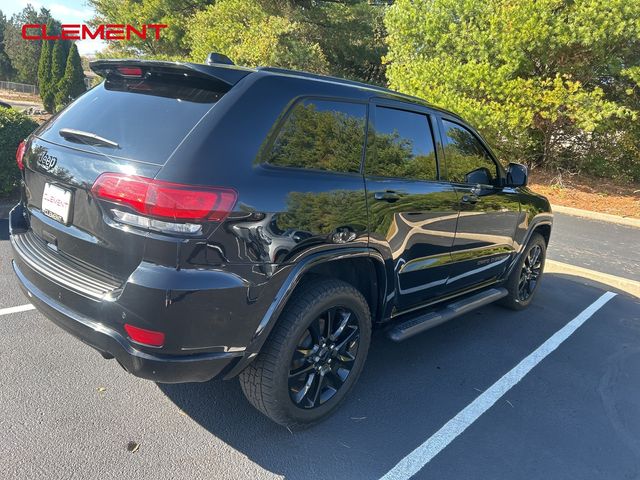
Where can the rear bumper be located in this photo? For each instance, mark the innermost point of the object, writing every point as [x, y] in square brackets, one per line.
[204, 313]
[159, 368]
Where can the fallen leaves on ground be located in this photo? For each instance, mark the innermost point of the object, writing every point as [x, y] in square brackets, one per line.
[588, 193]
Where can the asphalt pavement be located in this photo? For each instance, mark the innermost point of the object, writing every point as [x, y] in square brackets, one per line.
[67, 413]
[601, 246]
[21, 105]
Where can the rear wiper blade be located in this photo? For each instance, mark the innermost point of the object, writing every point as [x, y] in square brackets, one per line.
[86, 137]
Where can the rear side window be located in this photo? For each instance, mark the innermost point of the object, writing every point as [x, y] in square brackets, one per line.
[321, 135]
[147, 118]
[464, 153]
[403, 146]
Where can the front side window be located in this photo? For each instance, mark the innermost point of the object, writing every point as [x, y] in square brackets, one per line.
[467, 159]
[403, 146]
[321, 135]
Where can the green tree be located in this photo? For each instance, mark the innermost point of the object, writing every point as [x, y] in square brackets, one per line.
[344, 38]
[25, 54]
[45, 85]
[71, 85]
[58, 60]
[58, 66]
[171, 45]
[14, 127]
[6, 69]
[338, 38]
[547, 81]
[251, 34]
[350, 35]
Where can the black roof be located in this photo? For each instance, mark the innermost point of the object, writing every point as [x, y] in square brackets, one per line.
[353, 83]
[340, 81]
[231, 74]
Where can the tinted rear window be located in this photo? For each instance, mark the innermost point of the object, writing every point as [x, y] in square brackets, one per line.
[321, 135]
[146, 118]
[403, 146]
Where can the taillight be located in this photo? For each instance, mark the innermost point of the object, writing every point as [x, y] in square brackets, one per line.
[20, 154]
[166, 200]
[144, 336]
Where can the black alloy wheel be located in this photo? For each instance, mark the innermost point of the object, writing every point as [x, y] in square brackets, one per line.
[314, 355]
[530, 272]
[324, 357]
[525, 277]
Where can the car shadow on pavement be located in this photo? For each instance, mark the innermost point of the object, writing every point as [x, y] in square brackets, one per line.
[4, 229]
[407, 391]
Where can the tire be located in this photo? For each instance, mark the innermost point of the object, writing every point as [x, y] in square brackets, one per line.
[517, 299]
[295, 344]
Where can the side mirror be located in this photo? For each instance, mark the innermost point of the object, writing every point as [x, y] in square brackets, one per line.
[479, 176]
[517, 175]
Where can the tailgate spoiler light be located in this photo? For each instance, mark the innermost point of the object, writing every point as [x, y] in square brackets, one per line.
[131, 68]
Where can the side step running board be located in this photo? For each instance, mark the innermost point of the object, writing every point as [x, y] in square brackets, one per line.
[419, 324]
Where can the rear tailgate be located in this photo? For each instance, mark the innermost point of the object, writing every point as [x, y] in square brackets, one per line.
[129, 124]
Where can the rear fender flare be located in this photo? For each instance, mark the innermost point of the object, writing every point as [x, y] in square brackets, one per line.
[272, 314]
[539, 220]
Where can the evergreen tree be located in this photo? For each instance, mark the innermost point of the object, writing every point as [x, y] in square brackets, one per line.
[339, 37]
[23, 54]
[58, 61]
[6, 69]
[44, 76]
[71, 85]
[58, 65]
[553, 83]
[74, 62]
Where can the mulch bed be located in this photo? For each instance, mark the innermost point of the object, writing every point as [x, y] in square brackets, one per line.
[588, 193]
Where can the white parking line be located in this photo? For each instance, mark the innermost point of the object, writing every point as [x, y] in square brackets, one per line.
[416, 460]
[19, 308]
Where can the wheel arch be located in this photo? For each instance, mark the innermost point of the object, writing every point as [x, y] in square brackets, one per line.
[541, 224]
[341, 264]
[543, 229]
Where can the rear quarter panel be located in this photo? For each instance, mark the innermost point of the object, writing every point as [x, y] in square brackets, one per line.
[282, 214]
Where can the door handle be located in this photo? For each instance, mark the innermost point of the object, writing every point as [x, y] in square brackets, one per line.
[388, 196]
[470, 199]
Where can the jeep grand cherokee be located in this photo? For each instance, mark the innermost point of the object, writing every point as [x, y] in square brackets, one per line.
[199, 221]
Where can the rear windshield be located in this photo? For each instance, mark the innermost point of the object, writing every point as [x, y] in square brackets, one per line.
[146, 118]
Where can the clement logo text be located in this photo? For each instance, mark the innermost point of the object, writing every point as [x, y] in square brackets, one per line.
[76, 31]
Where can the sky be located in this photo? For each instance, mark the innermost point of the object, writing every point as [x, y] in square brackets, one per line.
[66, 11]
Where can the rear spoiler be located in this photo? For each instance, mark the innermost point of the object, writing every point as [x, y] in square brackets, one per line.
[131, 68]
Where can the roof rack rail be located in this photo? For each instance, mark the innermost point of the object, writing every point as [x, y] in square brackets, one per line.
[318, 76]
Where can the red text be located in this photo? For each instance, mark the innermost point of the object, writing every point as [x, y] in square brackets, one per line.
[76, 31]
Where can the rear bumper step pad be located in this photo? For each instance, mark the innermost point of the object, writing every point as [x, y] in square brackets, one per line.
[62, 270]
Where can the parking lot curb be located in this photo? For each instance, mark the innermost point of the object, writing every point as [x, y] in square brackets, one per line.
[604, 217]
[626, 285]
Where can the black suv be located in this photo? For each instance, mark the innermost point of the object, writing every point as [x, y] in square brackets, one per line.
[199, 221]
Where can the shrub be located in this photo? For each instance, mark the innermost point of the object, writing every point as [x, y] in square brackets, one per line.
[14, 127]
[542, 79]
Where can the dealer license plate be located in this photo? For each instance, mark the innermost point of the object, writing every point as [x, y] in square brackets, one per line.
[56, 203]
